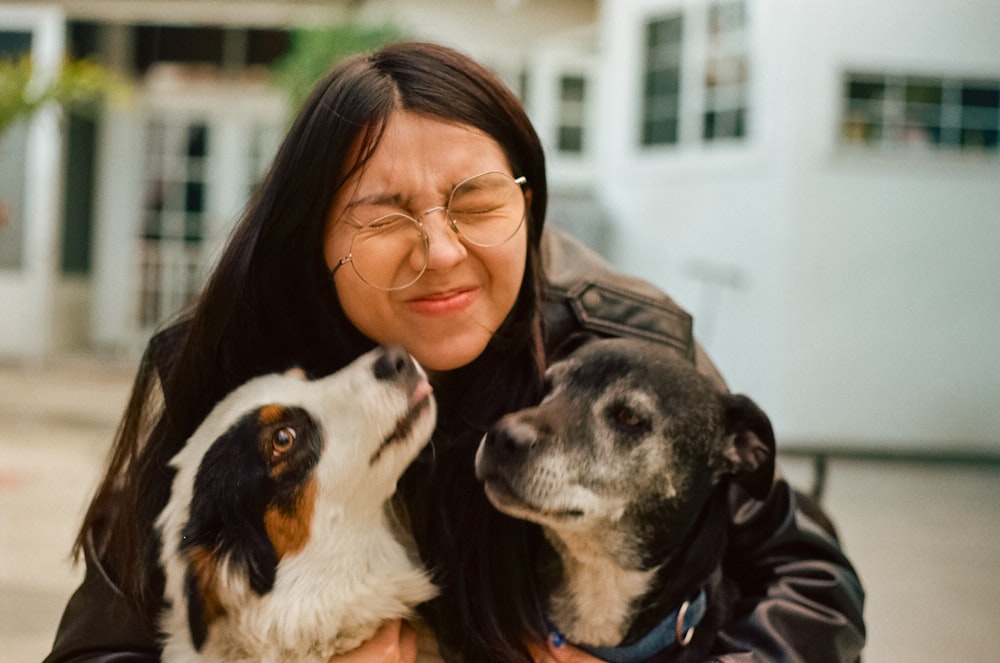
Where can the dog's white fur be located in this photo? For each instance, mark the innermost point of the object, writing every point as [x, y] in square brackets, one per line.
[353, 573]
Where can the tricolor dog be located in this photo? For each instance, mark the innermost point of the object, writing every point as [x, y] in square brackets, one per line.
[625, 465]
[277, 544]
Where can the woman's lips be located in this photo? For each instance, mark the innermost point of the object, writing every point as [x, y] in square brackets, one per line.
[442, 303]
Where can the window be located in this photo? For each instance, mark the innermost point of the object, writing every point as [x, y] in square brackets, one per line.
[921, 111]
[572, 97]
[697, 74]
[726, 72]
[662, 94]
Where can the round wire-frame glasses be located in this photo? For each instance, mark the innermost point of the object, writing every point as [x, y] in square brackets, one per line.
[391, 252]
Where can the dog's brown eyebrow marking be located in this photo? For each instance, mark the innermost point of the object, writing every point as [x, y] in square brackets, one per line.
[205, 568]
[270, 414]
[288, 529]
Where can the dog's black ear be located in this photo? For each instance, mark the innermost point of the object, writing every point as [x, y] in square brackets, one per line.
[749, 446]
[196, 609]
[231, 492]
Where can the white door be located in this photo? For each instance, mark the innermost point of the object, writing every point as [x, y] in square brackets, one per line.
[184, 165]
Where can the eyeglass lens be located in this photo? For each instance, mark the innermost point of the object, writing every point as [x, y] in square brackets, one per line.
[391, 252]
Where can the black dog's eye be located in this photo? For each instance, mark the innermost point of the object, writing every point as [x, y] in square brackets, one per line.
[627, 418]
[283, 439]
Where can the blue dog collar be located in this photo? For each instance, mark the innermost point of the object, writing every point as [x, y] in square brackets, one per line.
[678, 627]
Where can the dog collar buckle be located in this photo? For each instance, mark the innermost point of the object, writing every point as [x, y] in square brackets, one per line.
[684, 636]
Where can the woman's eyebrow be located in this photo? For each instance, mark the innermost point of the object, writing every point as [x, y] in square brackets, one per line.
[377, 200]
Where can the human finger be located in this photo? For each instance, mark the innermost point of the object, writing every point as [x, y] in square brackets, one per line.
[394, 642]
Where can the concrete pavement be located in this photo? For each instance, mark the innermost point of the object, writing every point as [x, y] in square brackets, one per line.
[925, 539]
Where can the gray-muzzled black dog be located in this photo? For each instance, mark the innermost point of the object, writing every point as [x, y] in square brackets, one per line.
[626, 464]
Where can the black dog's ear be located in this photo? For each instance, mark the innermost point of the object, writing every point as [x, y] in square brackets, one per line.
[748, 445]
[569, 345]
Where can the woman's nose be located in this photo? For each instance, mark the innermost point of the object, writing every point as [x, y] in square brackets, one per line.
[445, 246]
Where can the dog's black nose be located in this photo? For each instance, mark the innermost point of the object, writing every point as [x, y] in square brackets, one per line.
[508, 445]
[394, 362]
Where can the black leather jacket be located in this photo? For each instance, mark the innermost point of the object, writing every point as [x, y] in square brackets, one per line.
[804, 600]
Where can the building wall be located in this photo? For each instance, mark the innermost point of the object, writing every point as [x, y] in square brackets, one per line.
[849, 292]
[892, 299]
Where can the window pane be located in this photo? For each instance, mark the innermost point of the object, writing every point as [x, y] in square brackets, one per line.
[663, 82]
[266, 46]
[731, 70]
[572, 88]
[725, 124]
[981, 96]
[923, 115]
[570, 139]
[659, 132]
[726, 17]
[923, 93]
[163, 43]
[665, 31]
[197, 140]
[973, 139]
[572, 96]
[863, 121]
[866, 90]
[980, 115]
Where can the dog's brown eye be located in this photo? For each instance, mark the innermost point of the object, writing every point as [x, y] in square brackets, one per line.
[283, 440]
[627, 418]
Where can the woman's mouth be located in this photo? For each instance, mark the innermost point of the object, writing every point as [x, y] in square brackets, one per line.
[445, 302]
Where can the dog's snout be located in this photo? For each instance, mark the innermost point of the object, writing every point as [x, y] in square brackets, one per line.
[392, 363]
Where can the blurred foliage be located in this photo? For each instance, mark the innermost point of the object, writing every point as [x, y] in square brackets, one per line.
[79, 85]
[314, 51]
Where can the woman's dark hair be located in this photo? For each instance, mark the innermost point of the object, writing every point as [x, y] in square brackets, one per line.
[270, 304]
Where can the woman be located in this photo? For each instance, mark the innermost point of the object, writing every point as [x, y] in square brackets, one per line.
[370, 229]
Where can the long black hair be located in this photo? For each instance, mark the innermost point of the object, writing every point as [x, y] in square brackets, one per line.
[270, 304]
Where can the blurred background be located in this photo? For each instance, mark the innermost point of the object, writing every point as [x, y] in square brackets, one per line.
[817, 181]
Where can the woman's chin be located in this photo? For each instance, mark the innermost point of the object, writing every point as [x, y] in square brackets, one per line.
[450, 353]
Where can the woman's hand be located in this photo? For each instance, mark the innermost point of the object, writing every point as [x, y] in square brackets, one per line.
[564, 653]
[394, 642]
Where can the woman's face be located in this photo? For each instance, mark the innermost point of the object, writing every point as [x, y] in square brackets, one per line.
[447, 317]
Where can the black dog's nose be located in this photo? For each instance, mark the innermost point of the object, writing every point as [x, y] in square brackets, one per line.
[508, 445]
[393, 363]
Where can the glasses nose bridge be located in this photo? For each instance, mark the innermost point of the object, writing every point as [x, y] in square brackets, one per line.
[438, 208]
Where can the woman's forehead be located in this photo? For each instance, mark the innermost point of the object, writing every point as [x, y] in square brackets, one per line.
[426, 153]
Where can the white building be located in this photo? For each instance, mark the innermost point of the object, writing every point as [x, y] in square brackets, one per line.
[836, 236]
[818, 181]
